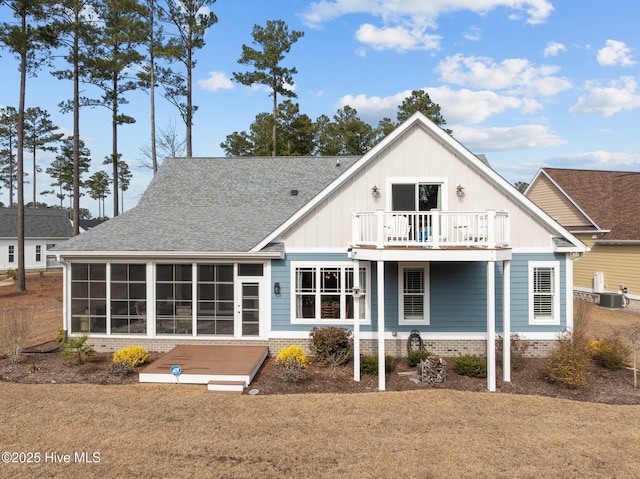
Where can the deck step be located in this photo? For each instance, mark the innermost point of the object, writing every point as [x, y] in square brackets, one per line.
[227, 386]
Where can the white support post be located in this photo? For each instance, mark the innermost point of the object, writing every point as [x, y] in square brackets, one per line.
[380, 239]
[435, 229]
[381, 364]
[491, 326]
[506, 321]
[491, 228]
[356, 322]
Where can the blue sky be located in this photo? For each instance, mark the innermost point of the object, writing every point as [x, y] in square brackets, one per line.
[527, 83]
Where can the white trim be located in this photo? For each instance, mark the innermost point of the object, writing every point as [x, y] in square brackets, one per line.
[426, 335]
[381, 334]
[343, 265]
[426, 295]
[491, 326]
[556, 294]
[167, 255]
[506, 321]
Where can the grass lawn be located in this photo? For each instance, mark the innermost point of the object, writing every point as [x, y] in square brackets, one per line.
[184, 431]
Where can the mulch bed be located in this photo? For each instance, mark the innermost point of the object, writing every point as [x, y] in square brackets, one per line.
[604, 385]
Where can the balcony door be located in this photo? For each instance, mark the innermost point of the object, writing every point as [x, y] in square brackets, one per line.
[416, 196]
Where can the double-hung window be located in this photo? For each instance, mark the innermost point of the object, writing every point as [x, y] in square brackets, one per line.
[413, 293]
[324, 292]
[38, 253]
[12, 253]
[544, 292]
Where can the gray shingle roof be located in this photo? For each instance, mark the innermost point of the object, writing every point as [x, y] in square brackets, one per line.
[213, 204]
[38, 223]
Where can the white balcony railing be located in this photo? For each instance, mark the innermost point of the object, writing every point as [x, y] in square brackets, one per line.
[433, 229]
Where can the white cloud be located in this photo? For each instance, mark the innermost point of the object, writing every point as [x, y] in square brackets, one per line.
[215, 82]
[553, 48]
[514, 75]
[397, 38]
[473, 34]
[618, 95]
[537, 11]
[597, 160]
[458, 107]
[507, 138]
[615, 53]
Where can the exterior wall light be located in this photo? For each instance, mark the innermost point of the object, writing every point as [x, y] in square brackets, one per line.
[375, 191]
[460, 191]
[276, 289]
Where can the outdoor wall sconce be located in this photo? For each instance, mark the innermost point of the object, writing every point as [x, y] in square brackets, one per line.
[460, 191]
[356, 292]
[276, 289]
[375, 191]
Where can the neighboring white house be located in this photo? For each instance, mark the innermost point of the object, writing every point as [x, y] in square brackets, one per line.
[417, 234]
[44, 228]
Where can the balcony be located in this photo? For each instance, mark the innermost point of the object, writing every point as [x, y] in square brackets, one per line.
[433, 229]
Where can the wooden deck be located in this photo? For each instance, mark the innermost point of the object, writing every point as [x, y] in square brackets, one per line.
[222, 368]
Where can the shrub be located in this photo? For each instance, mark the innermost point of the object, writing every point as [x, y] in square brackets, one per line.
[60, 336]
[518, 349]
[121, 369]
[15, 326]
[291, 364]
[611, 351]
[76, 346]
[331, 346]
[569, 362]
[12, 273]
[470, 365]
[369, 364]
[414, 357]
[132, 355]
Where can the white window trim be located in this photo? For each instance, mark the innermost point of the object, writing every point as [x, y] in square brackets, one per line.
[294, 265]
[556, 294]
[427, 308]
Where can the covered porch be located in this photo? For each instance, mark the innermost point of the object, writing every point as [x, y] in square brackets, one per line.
[487, 261]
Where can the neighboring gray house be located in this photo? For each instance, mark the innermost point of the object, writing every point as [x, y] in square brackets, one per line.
[417, 234]
[43, 229]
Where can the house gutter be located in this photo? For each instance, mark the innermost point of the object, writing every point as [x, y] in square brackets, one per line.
[618, 242]
[62, 256]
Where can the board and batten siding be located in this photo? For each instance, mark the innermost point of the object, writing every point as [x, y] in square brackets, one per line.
[620, 265]
[416, 154]
[556, 204]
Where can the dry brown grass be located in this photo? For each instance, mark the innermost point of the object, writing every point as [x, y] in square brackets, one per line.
[183, 431]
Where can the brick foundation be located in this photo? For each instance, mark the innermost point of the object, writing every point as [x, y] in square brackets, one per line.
[394, 347]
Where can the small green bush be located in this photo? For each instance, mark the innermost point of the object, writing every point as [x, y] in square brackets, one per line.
[132, 355]
[414, 357]
[369, 364]
[611, 351]
[569, 362]
[12, 273]
[291, 364]
[121, 369]
[331, 346]
[76, 346]
[470, 365]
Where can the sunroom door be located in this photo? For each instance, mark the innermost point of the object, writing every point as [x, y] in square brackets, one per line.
[249, 307]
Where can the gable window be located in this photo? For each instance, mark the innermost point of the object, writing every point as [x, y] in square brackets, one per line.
[12, 253]
[323, 292]
[38, 253]
[413, 293]
[544, 292]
